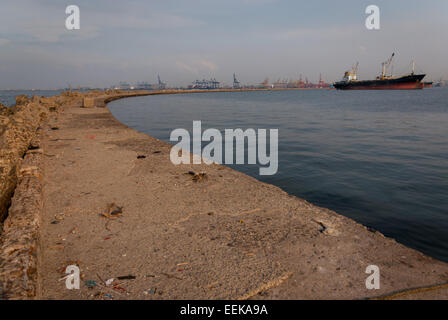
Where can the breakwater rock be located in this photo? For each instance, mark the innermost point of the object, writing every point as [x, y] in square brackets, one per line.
[20, 196]
[18, 236]
[21, 157]
[18, 126]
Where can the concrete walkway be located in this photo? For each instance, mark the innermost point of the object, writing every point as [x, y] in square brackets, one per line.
[227, 236]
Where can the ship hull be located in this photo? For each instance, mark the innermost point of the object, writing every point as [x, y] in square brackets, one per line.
[410, 82]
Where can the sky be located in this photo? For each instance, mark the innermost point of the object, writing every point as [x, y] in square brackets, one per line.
[135, 40]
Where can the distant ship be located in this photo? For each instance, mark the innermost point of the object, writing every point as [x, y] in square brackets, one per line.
[440, 84]
[382, 82]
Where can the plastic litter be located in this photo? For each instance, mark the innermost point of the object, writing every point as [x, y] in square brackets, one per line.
[108, 282]
[90, 284]
[150, 291]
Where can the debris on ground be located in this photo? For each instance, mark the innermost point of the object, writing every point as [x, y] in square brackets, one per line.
[170, 276]
[141, 157]
[150, 291]
[59, 217]
[109, 285]
[65, 264]
[95, 295]
[57, 246]
[73, 231]
[128, 277]
[198, 176]
[107, 295]
[33, 146]
[109, 282]
[182, 264]
[112, 211]
[117, 287]
[60, 139]
[90, 284]
[157, 151]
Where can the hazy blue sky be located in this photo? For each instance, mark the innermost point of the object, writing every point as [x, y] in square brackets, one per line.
[181, 40]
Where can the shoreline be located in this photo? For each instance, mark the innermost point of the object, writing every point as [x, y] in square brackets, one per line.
[252, 238]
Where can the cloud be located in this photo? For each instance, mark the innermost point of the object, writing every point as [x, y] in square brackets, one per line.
[152, 21]
[197, 66]
[331, 32]
[185, 67]
[31, 22]
[211, 66]
[53, 34]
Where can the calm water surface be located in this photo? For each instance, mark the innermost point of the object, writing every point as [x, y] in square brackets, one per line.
[8, 97]
[380, 158]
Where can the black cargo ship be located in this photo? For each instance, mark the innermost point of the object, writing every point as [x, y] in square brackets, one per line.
[382, 82]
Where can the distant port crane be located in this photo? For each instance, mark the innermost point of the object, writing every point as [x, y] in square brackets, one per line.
[162, 85]
[236, 83]
[205, 84]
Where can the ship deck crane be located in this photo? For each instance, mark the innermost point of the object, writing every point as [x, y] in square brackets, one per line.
[355, 68]
[386, 66]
